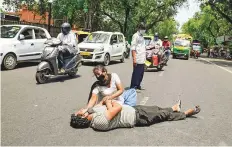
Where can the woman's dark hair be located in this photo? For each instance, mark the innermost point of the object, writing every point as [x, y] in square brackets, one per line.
[79, 122]
[100, 67]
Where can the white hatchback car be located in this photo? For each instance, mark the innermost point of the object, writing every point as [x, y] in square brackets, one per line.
[21, 43]
[103, 47]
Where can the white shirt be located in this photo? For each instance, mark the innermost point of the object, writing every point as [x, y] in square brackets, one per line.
[105, 91]
[138, 45]
[69, 39]
[156, 42]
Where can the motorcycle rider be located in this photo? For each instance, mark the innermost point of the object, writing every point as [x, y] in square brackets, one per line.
[156, 43]
[68, 46]
[157, 40]
[166, 44]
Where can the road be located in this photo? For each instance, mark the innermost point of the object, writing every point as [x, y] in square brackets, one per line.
[39, 115]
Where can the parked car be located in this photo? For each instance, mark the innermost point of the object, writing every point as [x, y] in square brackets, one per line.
[81, 35]
[103, 47]
[21, 43]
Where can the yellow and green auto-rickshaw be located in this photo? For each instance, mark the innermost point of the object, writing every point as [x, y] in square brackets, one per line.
[81, 35]
[181, 46]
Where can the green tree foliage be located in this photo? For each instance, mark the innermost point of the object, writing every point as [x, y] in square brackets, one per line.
[207, 25]
[108, 15]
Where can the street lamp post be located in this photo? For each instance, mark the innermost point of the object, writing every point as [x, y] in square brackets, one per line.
[49, 15]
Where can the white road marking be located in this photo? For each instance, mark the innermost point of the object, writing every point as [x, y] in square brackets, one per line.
[217, 65]
[161, 73]
[35, 105]
[144, 100]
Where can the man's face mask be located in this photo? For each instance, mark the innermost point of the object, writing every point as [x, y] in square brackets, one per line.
[142, 31]
[156, 37]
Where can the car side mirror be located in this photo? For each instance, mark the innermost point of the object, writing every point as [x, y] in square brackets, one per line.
[21, 37]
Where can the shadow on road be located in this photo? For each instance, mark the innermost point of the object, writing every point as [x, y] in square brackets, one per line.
[62, 78]
[154, 70]
[95, 63]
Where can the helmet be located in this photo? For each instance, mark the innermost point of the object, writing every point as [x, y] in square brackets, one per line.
[166, 37]
[156, 35]
[65, 28]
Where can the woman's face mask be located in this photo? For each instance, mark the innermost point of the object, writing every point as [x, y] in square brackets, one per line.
[102, 80]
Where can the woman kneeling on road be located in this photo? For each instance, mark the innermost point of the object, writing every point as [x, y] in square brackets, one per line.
[109, 87]
[113, 115]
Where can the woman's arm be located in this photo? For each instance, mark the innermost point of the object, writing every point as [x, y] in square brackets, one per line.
[92, 100]
[113, 108]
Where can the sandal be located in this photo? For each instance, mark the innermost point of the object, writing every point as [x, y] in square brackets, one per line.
[179, 105]
[196, 110]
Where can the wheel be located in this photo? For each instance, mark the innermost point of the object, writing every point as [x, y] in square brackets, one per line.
[40, 76]
[9, 61]
[187, 57]
[160, 68]
[123, 57]
[73, 73]
[173, 56]
[145, 68]
[106, 60]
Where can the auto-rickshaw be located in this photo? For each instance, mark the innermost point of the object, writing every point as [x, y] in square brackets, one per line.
[81, 35]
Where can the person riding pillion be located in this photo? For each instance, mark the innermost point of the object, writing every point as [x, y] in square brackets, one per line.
[69, 43]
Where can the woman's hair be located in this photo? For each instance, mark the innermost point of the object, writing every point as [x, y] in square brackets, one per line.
[100, 67]
[79, 122]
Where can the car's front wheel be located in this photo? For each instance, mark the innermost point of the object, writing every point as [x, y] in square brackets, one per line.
[106, 60]
[9, 61]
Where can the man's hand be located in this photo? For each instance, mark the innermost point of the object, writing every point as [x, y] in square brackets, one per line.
[134, 63]
[81, 112]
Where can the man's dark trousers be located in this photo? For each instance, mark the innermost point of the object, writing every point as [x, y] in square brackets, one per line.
[137, 76]
[148, 115]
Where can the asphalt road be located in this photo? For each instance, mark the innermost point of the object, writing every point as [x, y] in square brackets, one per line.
[39, 115]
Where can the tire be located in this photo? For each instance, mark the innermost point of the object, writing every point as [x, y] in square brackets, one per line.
[40, 78]
[73, 73]
[9, 61]
[160, 68]
[106, 60]
[187, 57]
[145, 68]
[123, 58]
[173, 57]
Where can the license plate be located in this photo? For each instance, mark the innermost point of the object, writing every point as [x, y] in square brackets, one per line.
[85, 53]
[147, 63]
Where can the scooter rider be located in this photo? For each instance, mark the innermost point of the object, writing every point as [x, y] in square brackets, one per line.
[69, 44]
[156, 43]
[166, 44]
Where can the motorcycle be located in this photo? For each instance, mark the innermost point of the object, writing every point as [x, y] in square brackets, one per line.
[154, 58]
[195, 54]
[48, 66]
[166, 54]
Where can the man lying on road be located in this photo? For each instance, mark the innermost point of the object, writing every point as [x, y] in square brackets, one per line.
[113, 115]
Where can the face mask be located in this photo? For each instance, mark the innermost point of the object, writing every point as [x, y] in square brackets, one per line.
[156, 38]
[102, 80]
[142, 31]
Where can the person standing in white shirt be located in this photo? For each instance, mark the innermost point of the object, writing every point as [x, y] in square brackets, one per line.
[138, 48]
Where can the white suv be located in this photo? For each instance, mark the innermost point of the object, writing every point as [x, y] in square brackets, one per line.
[21, 43]
[103, 47]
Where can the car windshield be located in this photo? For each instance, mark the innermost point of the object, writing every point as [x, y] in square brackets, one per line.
[196, 47]
[183, 43]
[97, 38]
[9, 31]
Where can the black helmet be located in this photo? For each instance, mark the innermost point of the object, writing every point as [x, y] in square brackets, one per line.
[65, 28]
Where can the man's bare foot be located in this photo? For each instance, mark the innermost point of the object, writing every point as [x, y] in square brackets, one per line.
[177, 107]
[193, 111]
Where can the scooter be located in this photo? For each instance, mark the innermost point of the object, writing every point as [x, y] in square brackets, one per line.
[156, 59]
[166, 54]
[48, 66]
[195, 54]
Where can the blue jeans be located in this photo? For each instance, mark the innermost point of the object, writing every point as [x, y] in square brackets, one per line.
[130, 97]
